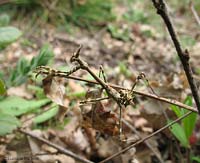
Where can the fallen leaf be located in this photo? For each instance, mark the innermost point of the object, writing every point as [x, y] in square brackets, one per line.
[53, 89]
[99, 118]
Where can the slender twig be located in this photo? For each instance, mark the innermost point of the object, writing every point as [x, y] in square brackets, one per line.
[163, 99]
[183, 55]
[146, 142]
[94, 100]
[59, 148]
[194, 12]
[146, 138]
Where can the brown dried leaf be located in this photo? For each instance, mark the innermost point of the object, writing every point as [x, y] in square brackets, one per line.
[105, 122]
[53, 89]
[99, 118]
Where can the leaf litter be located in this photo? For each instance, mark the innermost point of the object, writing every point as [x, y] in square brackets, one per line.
[141, 54]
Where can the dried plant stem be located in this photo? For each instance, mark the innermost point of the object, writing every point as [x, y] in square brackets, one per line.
[146, 138]
[194, 12]
[163, 99]
[146, 142]
[59, 148]
[183, 55]
[167, 100]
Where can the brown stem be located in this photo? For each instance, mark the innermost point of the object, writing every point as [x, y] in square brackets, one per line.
[146, 142]
[146, 138]
[196, 16]
[166, 100]
[183, 55]
[59, 148]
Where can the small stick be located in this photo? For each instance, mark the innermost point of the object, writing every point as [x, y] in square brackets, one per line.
[194, 12]
[166, 100]
[146, 138]
[183, 54]
[94, 100]
[146, 142]
[163, 99]
[59, 148]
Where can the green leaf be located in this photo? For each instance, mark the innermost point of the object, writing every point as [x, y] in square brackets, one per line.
[179, 133]
[2, 88]
[190, 121]
[176, 110]
[19, 74]
[9, 35]
[17, 106]
[8, 124]
[4, 20]
[196, 158]
[46, 115]
[124, 69]
[76, 94]
[45, 55]
[119, 33]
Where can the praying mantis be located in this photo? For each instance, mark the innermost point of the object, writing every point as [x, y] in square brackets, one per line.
[123, 98]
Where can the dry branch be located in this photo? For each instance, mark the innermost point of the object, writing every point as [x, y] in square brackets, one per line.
[146, 138]
[59, 148]
[196, 16]
[167, 100]
[183, 54]
[163, 99]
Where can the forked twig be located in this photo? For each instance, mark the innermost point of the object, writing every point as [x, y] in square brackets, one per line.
[59, 148]
[183, 54]
[146, 138]
[162, 99]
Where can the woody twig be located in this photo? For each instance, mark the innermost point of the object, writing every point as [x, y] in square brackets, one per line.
[183, 54]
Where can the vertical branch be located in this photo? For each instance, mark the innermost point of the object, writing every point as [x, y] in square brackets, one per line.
[183, 55]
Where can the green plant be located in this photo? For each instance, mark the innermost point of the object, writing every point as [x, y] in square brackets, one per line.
[196, 159]
[8, 35]
[124, 69]
[184, 130]
[4, 20]
[92, 12]
[8, 123]
[119, 33]
[47, 115]
[2, 87]
[11, 107]
[20, 73]
[85, 14]
[136, 15]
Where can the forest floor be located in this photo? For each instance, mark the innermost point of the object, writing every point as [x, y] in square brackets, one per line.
[147, 48]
